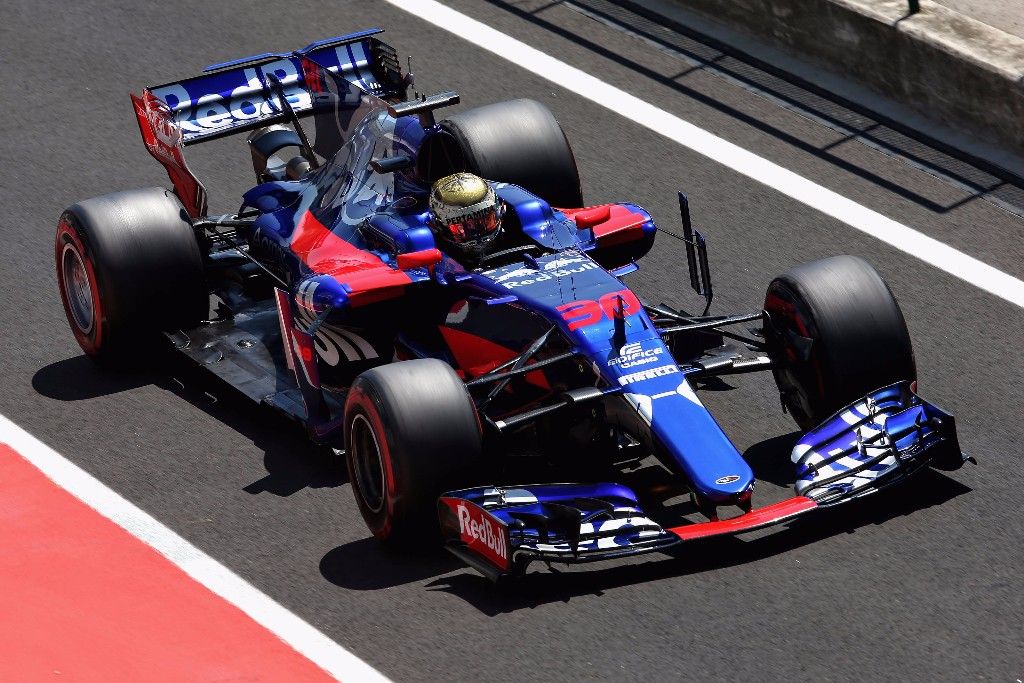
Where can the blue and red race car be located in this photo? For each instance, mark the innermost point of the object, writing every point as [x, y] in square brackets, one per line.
[329, 297]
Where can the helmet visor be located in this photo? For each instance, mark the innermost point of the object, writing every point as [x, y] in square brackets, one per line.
[472, 228]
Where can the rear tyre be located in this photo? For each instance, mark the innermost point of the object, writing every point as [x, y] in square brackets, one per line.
[835, 333]
[517, 142]
[128, 266]
[411, 433]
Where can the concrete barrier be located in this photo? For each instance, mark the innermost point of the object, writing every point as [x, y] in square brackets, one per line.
[943, 64]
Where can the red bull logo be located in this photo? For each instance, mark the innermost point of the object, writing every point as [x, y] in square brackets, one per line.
[480, 531]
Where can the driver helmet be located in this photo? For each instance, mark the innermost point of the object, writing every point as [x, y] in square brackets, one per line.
[465, 213]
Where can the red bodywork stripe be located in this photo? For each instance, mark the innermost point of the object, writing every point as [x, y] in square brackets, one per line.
[766, 516]
[613, 224]
[477, 356]
[426, 258]
[370, 279]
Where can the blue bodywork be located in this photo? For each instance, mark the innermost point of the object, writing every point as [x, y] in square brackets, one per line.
[652, 383]
[337, 237]
[384, 214]
[877, 440]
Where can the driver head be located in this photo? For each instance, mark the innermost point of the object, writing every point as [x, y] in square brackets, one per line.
[465, 214]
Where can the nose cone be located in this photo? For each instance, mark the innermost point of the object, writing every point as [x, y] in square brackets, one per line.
[686, 432]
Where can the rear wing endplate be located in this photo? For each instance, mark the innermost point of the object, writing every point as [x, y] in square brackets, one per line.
[163, 140]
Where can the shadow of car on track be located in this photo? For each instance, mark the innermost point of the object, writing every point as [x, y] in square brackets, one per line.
[537, 588]
[366, 565]
[770, 459]
[292, 462]
[79, 378]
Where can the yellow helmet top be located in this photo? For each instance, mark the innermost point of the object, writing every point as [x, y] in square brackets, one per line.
[460, 189]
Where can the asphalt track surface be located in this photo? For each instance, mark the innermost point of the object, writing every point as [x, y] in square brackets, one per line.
[919, 583]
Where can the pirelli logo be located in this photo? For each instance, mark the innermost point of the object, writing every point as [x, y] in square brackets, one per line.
[651, 373]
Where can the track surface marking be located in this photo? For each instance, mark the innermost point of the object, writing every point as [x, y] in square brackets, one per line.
[921, 583]
[85, 598]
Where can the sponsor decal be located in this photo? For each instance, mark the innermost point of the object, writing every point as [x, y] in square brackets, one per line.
[249, 101]
[587, 312]
[482, 533]
[304, 297]
[543, 277]
[559, 267]
[632, 355]
[333, 344]
[564, 261]
[458, 313]
[167, 136]
[727, 479]
[240, 96]
[648, 374]
[517, 273]
[163, 139]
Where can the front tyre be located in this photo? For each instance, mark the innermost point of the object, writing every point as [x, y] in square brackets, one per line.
[835, 333]
[128, 265]
[411, 433]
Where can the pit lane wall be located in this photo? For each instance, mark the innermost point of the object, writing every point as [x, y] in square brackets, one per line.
[949, 67]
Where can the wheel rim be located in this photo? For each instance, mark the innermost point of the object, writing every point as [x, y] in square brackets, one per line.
[367, 463]
[78, 288]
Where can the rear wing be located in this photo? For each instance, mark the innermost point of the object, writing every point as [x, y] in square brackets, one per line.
[237, 96]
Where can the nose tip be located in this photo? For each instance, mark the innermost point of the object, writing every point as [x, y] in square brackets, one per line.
[708, 505]
[731, 489]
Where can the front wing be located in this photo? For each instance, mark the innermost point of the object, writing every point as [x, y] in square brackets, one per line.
[877, 441]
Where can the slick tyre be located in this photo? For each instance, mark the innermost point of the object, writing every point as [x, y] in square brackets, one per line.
[411, 433]
[517, 142]
[835, 333]
[128, 266]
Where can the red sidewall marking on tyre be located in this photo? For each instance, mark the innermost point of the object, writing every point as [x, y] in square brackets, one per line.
[85, 599]
[90, 344]
[359, 398]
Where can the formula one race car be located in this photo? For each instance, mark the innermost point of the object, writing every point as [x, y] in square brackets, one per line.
[337, 295]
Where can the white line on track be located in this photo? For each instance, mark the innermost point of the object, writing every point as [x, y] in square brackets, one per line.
[305, 639]
[893, 233]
